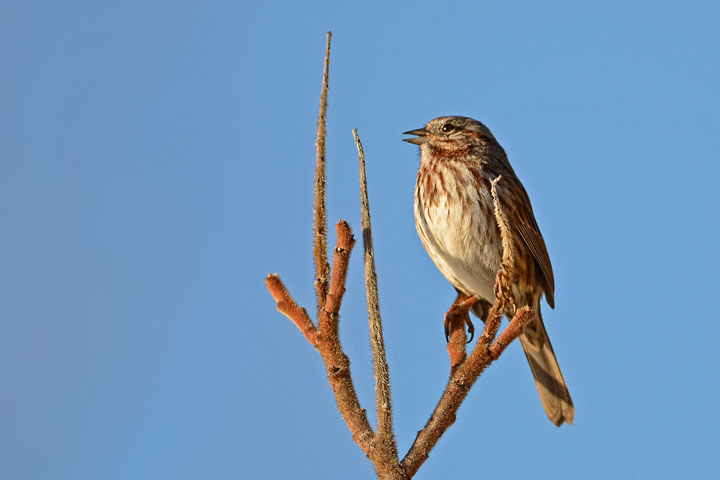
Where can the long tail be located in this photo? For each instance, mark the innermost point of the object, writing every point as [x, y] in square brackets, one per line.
[548, 377]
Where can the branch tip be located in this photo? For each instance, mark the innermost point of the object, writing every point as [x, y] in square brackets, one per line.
[287, 306]
[320, 254]
[382, 371]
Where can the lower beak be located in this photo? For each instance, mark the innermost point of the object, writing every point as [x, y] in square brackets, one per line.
[421, 136]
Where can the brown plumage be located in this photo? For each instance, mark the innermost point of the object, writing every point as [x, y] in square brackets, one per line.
[454, 218]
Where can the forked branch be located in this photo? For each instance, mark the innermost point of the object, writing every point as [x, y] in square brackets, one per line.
[380, 446]
[382, 371]
[457, 389]
[287, 306]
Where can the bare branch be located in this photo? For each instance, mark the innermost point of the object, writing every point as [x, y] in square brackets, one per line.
[380, 449]
[328, 318]
[326, 340]
[336, 362]
[523, 317]
[337, 365]
[288, 307]
[382, 372]
[455, 392]
[322, 268]
[492, 323]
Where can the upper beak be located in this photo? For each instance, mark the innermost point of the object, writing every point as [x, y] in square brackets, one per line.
[421, 136]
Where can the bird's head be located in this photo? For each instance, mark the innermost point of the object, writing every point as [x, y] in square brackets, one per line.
[451, 136]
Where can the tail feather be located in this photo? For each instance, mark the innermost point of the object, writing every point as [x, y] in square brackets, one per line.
[548, 377]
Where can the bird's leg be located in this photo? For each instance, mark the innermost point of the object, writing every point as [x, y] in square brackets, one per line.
[503, 287]
[455, 320]
[459, 309]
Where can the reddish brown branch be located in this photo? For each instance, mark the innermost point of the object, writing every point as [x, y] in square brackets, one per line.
[288, 307]
[457, 389]
[522, 318]
[337, 363]
[322, 268]
[326, 340]
[338, 371]
[478, 359]
[328, 316]
[379, 448]
[385, 436]
[492, 323]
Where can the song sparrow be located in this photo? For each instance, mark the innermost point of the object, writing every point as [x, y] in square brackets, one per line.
[454, 216]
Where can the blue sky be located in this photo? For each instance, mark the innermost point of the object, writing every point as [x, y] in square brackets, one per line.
[156, 162]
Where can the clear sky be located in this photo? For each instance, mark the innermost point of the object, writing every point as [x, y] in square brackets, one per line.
[156, 162]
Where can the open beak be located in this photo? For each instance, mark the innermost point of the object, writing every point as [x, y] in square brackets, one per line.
[421, 136]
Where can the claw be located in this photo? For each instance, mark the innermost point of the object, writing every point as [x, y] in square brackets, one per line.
[499, 287]
[460, 308]
[471, 328]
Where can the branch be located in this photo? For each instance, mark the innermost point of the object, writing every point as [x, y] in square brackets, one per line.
[385, 434]
[457, 389]
[336, 362]
[288, 307]
[380, 449]
[328, 317]
[326, 340]
[322, 268]
[524, 316]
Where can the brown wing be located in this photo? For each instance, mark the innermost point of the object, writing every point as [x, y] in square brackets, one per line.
[522, 220]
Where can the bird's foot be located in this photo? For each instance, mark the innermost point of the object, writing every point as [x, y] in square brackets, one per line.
[503, 287]
[460, 309]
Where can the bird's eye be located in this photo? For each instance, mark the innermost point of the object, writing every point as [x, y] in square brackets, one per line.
[447, 128]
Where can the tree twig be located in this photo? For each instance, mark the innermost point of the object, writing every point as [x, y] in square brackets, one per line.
[322, 268]
[328, 317]
[288, 307]
[385, 435]
[336, 362]
[326, 340]
[524, 316]
[457, 389]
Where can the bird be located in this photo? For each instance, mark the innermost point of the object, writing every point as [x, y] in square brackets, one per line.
[454, 217]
